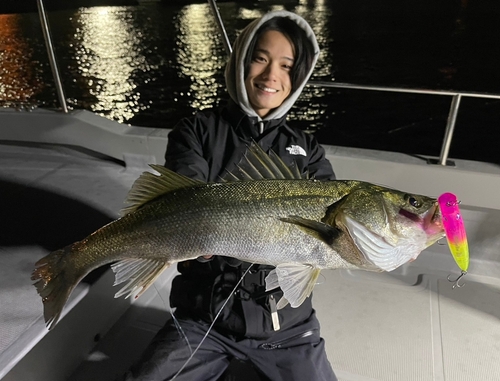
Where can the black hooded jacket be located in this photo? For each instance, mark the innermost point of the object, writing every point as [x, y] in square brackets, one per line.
[203, 147]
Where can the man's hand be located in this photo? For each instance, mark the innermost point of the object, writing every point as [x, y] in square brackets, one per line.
[233, 262]
[205, 258]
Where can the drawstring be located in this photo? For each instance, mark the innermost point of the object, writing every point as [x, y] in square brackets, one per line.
[261, 127]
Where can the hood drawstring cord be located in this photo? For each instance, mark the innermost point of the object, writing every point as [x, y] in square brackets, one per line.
[261, 127]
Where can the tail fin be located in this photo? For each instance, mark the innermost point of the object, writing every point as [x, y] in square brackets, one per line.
[54, 284]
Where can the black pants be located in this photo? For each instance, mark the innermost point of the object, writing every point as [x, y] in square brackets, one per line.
[294, 354]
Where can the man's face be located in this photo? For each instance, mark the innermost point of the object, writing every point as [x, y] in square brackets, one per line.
[268, 81]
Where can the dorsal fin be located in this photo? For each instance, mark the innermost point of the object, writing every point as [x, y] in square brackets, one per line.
[258, 165]
[149, 186]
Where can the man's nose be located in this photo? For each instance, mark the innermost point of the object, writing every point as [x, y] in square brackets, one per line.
[270, 72]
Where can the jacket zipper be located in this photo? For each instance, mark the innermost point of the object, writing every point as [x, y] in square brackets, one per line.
[279, 344]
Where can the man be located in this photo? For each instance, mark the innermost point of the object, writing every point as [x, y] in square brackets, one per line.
[272, 60]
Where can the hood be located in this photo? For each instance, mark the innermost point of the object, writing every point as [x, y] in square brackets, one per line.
[235, 71]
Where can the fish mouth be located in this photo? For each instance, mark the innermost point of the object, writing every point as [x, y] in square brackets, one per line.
[433, 222]
[430, 220]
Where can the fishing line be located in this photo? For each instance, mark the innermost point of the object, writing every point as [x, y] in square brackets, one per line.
[161, 297]
[213, 322]
[321, 279]
[176, 322]
[181, 331]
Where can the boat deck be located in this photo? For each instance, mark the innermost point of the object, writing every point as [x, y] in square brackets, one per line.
[405, 325]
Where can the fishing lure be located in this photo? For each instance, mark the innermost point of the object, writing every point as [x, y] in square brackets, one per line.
[455, 233]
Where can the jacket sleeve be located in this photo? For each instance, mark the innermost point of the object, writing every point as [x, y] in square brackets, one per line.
[184, 153]
[319, 166]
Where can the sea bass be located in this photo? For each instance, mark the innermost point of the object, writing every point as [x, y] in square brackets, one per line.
[270, 215]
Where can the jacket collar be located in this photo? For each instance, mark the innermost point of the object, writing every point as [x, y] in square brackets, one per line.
[249, 126]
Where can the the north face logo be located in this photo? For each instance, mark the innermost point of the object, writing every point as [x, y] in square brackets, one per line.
[296, 150]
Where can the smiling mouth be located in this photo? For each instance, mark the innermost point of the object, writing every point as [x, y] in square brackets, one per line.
[266, 89]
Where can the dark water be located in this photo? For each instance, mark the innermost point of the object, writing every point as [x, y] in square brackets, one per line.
[152, 64]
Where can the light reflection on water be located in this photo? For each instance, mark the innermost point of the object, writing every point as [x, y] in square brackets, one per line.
[311, 104]
[110, 59]
[19, 81]
[107, 50]
[199, 54]
[151, 65]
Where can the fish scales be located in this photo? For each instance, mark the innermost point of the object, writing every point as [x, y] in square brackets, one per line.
[237, 219]
[243, 220]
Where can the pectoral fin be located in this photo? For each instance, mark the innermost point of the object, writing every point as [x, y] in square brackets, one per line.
[317, 229]
[296, 280]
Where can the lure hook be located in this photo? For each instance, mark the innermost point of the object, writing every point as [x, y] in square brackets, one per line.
[456, 282]
[441, 243]
[453, 203]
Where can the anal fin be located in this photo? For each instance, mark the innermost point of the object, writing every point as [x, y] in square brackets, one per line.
[139, 273]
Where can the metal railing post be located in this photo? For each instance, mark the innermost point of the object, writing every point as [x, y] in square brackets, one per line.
[218, 18]
[450, 127]
[52, 57]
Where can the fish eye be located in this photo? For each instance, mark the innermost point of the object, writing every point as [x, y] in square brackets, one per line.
[413, 202]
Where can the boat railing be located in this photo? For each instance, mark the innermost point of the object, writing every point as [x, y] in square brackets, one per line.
[51, 54]
[456, 96]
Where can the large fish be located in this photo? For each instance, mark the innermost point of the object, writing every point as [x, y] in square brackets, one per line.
[270, 216]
